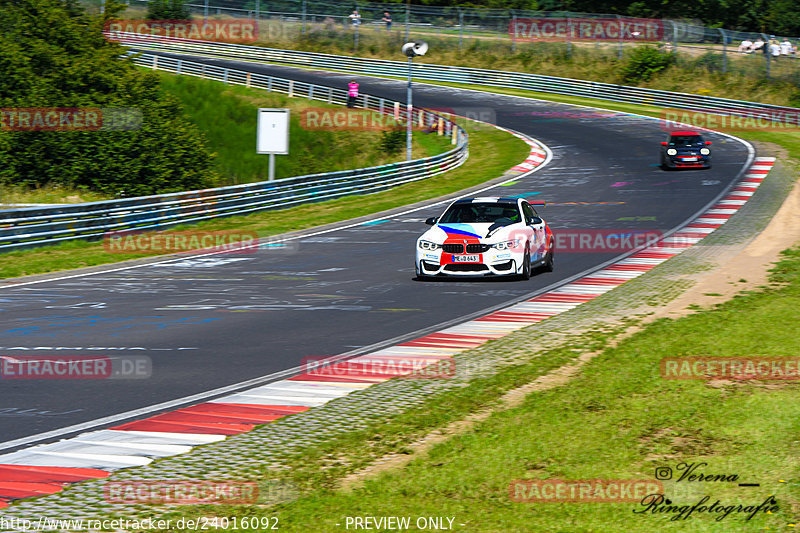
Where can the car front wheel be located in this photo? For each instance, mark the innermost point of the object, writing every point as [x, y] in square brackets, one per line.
[549, 260]
[526, 267]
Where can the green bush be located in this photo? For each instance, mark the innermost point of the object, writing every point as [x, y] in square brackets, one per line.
[710, 61]
[167, 10]
[393, 141]
[643, 63]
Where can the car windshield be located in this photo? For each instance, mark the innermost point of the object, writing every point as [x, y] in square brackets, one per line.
[480, 212]
[685, 140]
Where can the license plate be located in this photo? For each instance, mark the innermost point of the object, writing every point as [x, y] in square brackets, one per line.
[689, 158]
[466, 258]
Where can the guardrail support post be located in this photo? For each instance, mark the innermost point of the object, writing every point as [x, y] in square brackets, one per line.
[155, 62]
[178, 67]
[258, 10]
[440, 127]
[454, 136]
[724, 50]
[619, 25]
[397, 111]
[330, 95]
[291, 88]
[310, 92]
[247, 80]
[225, 76]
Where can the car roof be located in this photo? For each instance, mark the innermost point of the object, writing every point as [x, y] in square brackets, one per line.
[489, 199]
[687, 132]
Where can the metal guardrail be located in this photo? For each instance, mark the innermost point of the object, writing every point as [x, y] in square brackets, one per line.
[37, 226]
[465, 75]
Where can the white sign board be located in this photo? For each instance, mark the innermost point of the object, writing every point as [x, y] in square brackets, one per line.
[272, 136]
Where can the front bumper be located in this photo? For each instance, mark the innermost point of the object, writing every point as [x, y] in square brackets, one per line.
[436, 263]
[678, 161]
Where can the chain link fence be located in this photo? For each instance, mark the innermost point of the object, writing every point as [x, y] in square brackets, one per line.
[713, 49]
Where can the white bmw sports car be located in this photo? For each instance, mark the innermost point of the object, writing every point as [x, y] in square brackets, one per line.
[486, 237]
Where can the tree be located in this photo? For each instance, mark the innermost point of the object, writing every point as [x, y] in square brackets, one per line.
[52, 54]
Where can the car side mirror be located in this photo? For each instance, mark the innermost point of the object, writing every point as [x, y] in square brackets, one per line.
[708, 142]
[431, 221]
[535, 220]
[663, 143]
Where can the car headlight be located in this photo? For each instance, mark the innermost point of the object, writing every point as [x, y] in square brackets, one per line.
[427, 245]
[506, 245]
[705, 151]
[672, 151]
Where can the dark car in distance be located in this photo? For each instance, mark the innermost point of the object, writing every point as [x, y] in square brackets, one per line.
[685, 149]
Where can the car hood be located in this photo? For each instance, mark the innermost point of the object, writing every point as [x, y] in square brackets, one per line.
[477, 230]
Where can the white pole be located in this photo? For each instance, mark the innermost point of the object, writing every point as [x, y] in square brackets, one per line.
[409, 112]
[271, 167]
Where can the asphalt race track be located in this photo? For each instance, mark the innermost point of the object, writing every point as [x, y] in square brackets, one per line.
[212, 321]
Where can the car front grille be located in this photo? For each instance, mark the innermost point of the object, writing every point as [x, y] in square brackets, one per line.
[453, 248]
[466, 267]
[477, 248]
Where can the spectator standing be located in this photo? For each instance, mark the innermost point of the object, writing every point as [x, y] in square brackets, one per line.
[355, 18]
[786, 48]
[774, 49]
[352, 93]
[746, 47]
[758, 45]
[387, 18]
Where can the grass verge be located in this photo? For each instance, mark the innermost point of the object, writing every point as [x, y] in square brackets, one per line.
[618, 420]
[227, 116]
